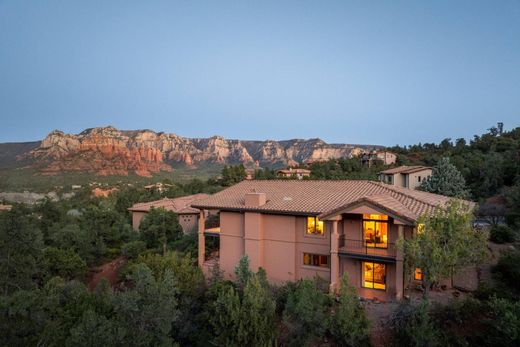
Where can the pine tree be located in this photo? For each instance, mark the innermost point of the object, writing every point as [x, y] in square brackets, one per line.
[445, 180]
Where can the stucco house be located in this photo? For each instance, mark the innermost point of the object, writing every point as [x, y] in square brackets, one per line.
[405, 176]
[300, 229]
[293, 172]
[188, 216]
[387, 158]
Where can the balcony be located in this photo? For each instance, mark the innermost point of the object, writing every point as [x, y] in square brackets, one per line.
[363, 250]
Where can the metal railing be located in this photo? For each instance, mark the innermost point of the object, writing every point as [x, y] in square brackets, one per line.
[368, 248]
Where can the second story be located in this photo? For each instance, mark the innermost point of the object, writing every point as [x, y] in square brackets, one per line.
[405, 176]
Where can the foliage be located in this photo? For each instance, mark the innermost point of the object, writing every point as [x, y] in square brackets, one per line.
[305, 314]
[502, 234]
[445, 244]
[64, 263]
[132, 249]
[345, 168]
[233, 174]
[242, 271]
[445, 180]
[503, 324]
[160, 227]
[348, 324]
[21, 248]
[507, 271]
[412, 325]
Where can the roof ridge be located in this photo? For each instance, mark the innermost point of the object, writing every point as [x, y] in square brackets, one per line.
[393, 189]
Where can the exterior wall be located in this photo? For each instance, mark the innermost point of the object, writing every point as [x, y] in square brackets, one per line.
[137, 217]
[231, 241]
[189, 223]
[400, 180]
[317, 244]
[413, 178]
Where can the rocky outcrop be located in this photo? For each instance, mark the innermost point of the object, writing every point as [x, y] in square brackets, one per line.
[109, 151]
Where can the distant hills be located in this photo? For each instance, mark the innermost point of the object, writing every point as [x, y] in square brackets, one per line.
[108, 151]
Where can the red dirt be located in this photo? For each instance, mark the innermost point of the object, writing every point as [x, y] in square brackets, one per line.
[109, 271]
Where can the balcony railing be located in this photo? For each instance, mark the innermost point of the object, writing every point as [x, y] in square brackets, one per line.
[363, 247]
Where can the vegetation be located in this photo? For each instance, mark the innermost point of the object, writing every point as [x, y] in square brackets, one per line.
[443, 244]
[445, 180]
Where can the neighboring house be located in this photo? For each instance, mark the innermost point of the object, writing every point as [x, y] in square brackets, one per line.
[387, 158]
[290, 172]
[405, 176]
[250, 174]
[160, 187]
[188, 216]
[300, 229]
[5, 207]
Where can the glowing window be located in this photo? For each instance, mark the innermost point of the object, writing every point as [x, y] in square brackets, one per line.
[374, 275]
[314, 226]
[319, 260]
[420, 228]
[417, 275]
[375, 230]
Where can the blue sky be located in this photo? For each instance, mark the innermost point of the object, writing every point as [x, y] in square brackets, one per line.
[378, 72]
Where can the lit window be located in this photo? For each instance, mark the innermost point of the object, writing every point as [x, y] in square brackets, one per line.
[319, 260]
[420, 228]
[375, 230]
[417, 275]
[374, 275]
[314, 226]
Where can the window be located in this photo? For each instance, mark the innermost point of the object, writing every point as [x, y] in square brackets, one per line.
[417, 274]
[374, 275]
[418, 178]
[319, 260]
[420, 228]
[314, 226]
[375, 230]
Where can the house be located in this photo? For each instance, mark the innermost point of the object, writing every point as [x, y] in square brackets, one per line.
[188, 216]
[405, 176]
[387, 158]
[160, 187]
[250, 174]
[299, 229]
[293, 172]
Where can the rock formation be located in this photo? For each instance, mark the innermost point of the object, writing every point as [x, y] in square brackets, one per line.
[108, 151]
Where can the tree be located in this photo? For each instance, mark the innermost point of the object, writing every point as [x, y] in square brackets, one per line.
[92, 330]
[64, 263]
[21, 247]
[159, 227]
[233, 174]
[242, 271]
[445, 180]
[349, 324]
[444, 244]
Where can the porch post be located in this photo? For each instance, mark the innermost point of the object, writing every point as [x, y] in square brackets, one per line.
[334, 258]
[399, 269]
[202, 241]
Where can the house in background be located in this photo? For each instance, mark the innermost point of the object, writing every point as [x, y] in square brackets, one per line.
[299, 229]
[188, 216]
[387, 158]
[160, 187]
[293, 172]
[405, 176]
[5, 207]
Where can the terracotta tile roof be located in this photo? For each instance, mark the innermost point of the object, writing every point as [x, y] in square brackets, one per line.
[178, 205]
[317, 197]
[405, 169]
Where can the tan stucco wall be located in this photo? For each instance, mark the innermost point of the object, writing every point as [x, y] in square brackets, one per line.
[413, 178]
[137, 217]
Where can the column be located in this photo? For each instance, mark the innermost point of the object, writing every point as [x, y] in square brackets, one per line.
[202, 240]
[399, 269]
[334, 257]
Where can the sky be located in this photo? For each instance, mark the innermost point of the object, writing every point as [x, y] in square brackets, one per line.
[365, 72]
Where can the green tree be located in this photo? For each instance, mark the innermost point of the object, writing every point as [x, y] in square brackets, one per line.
[444, 244]
[349, 325]
[64, 263]
[21, 248]
[91, 331]
[242, 271]
[160, 227]
[445, 180]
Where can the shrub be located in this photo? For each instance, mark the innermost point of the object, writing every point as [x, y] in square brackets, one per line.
[64, 263]
[513, 219]
[412, 325]
[133, 249]
[502, 234]
[507, 271]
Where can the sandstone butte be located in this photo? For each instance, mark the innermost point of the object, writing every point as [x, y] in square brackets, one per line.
[109, 151]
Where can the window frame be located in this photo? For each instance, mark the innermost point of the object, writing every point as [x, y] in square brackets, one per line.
[373, 267]
[327, 256]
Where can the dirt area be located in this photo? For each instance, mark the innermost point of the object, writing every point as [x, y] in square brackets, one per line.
[109, 271]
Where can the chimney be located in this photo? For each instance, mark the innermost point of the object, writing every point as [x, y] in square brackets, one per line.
[254, 199]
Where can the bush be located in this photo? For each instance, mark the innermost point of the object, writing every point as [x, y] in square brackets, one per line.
[507, 271]
[64, 263]
[133, 249]
[412, 325]
[513, 219]
[502, 234]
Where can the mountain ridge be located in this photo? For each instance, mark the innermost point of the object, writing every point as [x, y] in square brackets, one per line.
[109, 151]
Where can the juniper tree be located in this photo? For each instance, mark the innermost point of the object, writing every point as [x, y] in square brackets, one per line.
[445, 180]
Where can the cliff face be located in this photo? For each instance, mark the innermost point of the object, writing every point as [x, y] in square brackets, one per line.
[108, 151]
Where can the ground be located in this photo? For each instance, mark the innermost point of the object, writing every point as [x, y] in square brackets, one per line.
[109, 270]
